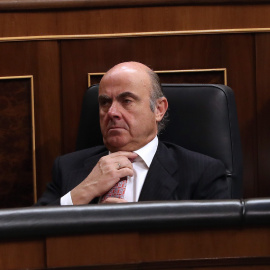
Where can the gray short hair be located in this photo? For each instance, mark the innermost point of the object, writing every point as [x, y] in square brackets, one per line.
[155, 94]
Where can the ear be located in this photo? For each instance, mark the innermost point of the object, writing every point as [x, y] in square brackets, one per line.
[161, 108]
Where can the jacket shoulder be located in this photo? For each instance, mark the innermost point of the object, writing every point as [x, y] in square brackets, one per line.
[183, 154]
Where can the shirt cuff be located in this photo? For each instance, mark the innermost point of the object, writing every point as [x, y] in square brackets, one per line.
[66, 199]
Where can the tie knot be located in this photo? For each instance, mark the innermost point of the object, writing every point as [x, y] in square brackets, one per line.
[132, 160]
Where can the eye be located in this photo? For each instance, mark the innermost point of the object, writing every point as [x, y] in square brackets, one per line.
[104, 102]
[127, 101]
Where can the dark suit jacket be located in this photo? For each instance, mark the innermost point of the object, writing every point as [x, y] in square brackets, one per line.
[175, 174]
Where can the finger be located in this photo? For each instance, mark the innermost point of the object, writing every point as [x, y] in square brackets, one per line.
[122, 162]
[114, 162]
[131, 155]
[114, 200]
[125, 172]
[118, 165]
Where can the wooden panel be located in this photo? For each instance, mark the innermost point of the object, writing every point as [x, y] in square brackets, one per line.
[16, 144]
[40, 59]
[238, 56]
[195, 76]
[22, 255]
[180, 248]
[233, 52]
[263, 112]
[48, 103]
[246, 248]
[137, 19]
[218, 76]
[214, 244]
[108, 248]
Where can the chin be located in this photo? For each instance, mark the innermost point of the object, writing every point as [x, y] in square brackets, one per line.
[116, 144]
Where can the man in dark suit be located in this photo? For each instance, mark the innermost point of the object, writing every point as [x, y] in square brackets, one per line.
[132, 109]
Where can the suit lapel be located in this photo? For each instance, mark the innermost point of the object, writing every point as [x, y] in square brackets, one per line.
[159, 183]
[92, 161]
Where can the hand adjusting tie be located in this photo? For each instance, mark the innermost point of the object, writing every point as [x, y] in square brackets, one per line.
[118, 190]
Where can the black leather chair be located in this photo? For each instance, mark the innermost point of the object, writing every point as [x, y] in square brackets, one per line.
[202, 118]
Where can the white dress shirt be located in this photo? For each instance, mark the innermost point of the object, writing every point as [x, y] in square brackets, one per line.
[135, 183]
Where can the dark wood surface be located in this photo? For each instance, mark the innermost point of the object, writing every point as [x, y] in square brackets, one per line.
[16, 159]
[49, 24]
[183, 248]
[22, 254]
[59, 47]
[42, 61]
[263, 111]
[238, 248]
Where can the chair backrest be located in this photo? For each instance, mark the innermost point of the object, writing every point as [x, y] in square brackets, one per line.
[202, 118]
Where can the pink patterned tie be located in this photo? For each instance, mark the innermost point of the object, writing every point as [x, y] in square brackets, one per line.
[117, 191]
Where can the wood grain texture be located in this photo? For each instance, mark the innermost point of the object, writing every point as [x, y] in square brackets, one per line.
[42, 61]
[185, 76]
[239, 58]
[263, 112]
[152, 247]
[48, 110]
[241, 249]
[16, 151]
[133, 20]
[22, 254]
[184, 245]
[96, 249]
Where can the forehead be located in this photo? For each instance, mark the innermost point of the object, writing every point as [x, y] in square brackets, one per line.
[125, 80]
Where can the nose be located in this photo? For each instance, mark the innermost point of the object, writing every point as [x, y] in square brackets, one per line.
[114, 111]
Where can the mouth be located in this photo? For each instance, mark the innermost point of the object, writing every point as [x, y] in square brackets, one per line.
[115, 128]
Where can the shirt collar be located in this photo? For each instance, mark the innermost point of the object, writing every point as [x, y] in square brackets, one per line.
[148, 151]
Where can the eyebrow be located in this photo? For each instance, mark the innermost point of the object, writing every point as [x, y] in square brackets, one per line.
[103, 98]
[128, 94]
[120, 96]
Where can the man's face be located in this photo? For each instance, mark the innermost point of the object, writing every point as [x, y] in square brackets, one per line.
[126, 120]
